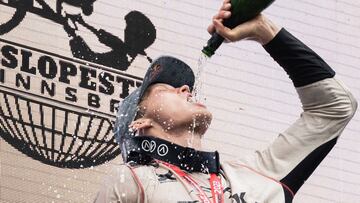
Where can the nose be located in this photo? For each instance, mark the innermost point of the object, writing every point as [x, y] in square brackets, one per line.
[184, 89]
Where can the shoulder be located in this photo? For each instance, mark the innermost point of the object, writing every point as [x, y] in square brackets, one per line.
[131, 175]
[123, 184]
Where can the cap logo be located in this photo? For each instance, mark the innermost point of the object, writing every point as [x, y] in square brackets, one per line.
[155, 71]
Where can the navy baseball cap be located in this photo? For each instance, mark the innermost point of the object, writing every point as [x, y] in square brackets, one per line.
[165, 69]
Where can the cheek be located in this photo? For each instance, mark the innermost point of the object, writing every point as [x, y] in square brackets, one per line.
[172, 105]
[169, 106]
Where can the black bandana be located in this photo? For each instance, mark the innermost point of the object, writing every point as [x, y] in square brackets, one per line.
[144, 149]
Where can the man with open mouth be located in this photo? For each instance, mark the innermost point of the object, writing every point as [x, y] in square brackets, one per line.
[160, 127]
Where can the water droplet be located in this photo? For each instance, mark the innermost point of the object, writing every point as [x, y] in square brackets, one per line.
[122, 178]
[199, 79]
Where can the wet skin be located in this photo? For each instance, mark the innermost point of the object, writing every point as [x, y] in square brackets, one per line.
[171, 114]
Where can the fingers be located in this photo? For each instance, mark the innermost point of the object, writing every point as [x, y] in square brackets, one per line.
[223, 13]
[220, 16]
[211, 29]
[258, 29]
[226, 2]
[226, 7]
[141, 124]
[226, 32]
[243, 31]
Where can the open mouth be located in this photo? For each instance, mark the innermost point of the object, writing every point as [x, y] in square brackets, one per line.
[191, 100]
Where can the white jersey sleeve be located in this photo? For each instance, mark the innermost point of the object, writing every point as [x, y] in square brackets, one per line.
[292, 157]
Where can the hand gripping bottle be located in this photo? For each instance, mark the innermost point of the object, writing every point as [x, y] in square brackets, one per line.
[241, 11]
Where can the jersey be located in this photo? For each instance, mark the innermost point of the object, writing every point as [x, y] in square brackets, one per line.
[274, 174]
[271, 175]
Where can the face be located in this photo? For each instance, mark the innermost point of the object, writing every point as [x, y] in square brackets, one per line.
[174, 107]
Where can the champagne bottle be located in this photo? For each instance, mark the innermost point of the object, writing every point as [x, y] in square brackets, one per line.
[241, 11]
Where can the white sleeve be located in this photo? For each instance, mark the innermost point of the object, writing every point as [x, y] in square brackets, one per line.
[292, 157]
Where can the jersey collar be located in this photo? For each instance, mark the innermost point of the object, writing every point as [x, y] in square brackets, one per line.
[144, 149]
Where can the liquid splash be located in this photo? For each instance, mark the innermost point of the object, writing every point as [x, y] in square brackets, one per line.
[198, 93]
[190, 140]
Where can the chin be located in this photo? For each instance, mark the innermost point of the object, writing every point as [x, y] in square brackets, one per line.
[202, 127]
[203, 120]
[208, 117]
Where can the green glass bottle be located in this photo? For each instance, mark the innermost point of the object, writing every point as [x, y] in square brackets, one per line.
[241, 11]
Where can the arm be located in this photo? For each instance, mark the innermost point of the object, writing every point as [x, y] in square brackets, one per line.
[327, 108]
[328, 105]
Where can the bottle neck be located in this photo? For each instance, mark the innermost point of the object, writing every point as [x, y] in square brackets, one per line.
[213, 43]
